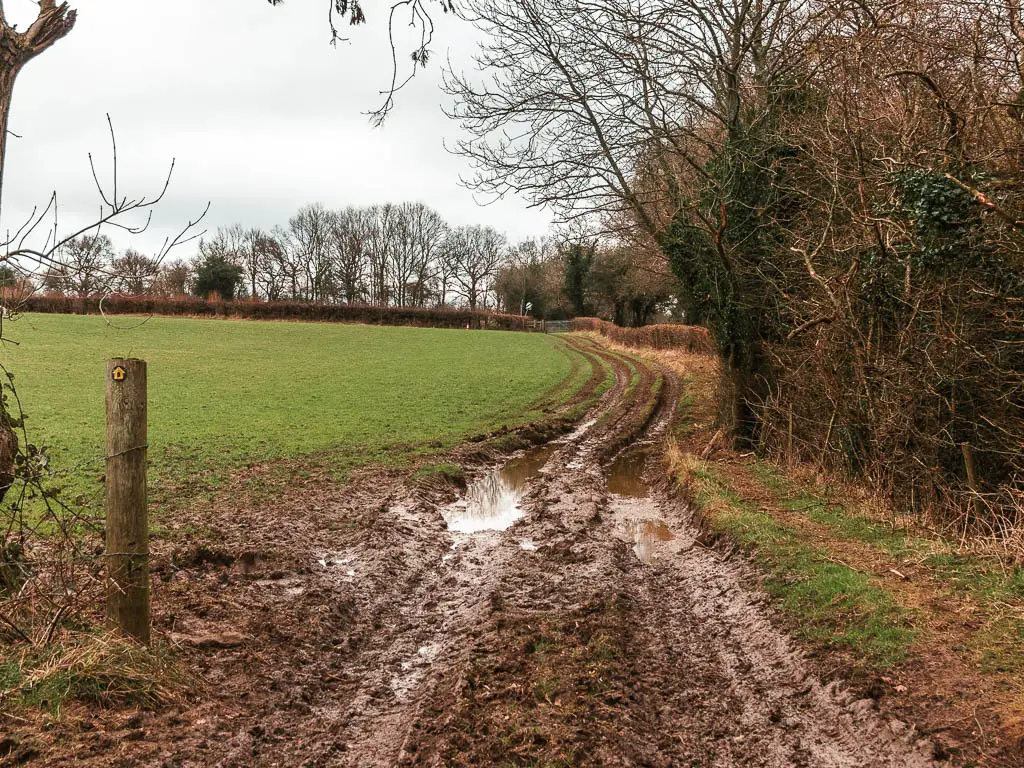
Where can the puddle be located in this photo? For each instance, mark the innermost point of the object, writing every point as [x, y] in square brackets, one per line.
[492, 502]
[647, 535]
[529, 465]
[625, 475]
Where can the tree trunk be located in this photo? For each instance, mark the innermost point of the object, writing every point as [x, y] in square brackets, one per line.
[741, 388]
[7, 76]
[17, 48]
[620, 312]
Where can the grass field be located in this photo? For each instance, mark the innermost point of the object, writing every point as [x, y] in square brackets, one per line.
[224, 393]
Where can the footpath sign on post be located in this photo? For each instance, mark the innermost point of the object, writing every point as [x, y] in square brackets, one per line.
[127, 524]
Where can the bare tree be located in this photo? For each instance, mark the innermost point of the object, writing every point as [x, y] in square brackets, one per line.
[412, 15]
[446, 266]
[172, 280]
[133, 273]
[255, 252]
[414, 235]
[428, 231]
[524, 262]
[382, 222]
[271, 276]
[310, 231]
[227, 242]
[404, 261]
[35, 248]
[349, 233]
[55, 280]
[477, 252]
[659, 116]
[289, 263]
[87, 261]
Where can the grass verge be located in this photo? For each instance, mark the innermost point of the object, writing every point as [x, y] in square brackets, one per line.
[828, 602]
[929, 627]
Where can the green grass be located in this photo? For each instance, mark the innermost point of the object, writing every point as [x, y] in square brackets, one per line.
[93, 669]
[842, 522]
[445, 472]
[226, 393]
[894, 541]
[984, 578]
[829, 602]
[996, 587]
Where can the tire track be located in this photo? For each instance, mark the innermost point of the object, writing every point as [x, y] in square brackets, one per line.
[388, 640]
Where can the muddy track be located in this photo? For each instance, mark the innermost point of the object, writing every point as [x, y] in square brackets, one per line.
[593, 631]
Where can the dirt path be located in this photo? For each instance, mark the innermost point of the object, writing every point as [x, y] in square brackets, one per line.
[348, 626]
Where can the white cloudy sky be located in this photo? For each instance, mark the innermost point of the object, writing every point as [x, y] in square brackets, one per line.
[261, 113]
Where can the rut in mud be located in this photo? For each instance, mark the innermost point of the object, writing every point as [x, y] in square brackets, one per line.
[562, 613]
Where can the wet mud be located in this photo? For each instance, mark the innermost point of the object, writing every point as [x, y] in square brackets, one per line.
[561, 613]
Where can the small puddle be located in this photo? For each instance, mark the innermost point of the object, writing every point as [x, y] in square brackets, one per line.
[492, 502]
[647, 535]
[625, 475]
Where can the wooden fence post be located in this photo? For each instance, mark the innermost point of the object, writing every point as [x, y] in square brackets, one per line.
[127, 526]
[789, 442]
[972, 475]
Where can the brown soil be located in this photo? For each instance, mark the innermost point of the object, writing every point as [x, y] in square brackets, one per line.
[346, 626]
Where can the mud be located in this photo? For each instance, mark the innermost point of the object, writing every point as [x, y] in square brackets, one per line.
[593, 630]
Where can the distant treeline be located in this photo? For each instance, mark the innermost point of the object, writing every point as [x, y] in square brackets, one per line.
[275, 310]
[384, 255]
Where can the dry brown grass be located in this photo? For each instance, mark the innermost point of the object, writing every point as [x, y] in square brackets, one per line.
[685, 338]
[682, 465]
[99, 669]
[699, 370]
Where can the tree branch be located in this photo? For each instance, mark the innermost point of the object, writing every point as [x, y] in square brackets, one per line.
[987, 202]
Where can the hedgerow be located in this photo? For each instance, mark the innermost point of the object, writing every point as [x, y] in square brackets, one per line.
[272, 310]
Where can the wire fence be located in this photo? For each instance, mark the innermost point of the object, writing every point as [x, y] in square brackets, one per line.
[51, 553]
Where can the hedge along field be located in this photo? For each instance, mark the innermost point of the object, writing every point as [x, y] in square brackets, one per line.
[224, 393]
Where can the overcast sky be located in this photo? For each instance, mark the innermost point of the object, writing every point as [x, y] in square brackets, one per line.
[261, 113]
